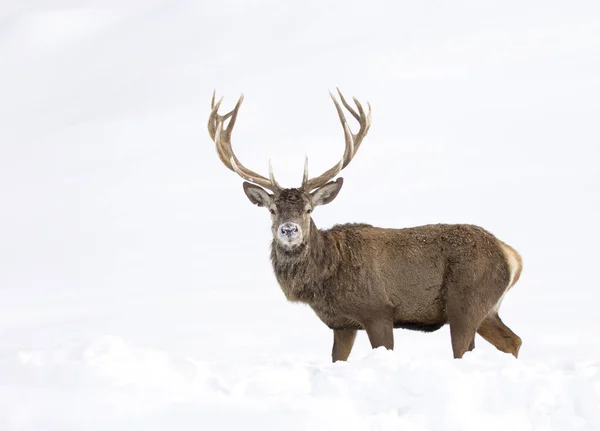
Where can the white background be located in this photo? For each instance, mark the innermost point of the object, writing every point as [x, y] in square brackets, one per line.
[135, 285]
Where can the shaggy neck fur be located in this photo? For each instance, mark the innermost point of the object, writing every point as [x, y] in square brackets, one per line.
[302, 272]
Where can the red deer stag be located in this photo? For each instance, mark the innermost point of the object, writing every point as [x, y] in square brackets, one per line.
[357, 276]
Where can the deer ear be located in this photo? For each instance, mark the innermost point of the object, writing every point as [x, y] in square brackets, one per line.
[325, 194]
[258, 195]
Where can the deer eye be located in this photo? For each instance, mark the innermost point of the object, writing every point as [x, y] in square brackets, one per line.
[272, 211]
[308, 211]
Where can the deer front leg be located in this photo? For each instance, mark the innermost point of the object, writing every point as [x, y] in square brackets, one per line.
[343, 340]
[381, 333]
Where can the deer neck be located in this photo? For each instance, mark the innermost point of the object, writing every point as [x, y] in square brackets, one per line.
[302, 272]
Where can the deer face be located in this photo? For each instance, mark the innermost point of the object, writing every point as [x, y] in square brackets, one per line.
[291, 209]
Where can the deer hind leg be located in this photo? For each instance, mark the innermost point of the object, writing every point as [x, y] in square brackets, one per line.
[463, 319]
[462, 335]
[493, 330]
[469, 300]
[343, 340]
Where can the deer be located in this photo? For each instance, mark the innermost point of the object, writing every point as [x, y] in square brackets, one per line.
[360, 277]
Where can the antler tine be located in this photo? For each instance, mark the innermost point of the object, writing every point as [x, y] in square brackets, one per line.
[222, 139]
[364, 121]
[305, 175]
[352, 141]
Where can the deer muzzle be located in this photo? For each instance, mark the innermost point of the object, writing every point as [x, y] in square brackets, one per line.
[289, 234]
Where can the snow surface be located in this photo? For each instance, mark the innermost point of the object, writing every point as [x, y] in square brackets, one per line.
[136, 289]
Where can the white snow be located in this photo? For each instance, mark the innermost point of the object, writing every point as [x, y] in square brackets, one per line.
[136, 291]
[120, 386]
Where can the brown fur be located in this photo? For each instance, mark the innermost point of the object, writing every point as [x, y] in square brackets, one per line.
[357, 276]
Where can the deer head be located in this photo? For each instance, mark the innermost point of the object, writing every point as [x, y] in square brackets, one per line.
[290, 208]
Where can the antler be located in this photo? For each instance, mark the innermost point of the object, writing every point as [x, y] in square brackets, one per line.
[353, 142]
[222, 138]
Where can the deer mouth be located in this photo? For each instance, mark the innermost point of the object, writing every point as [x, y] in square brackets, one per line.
[291, 249]
[290, 242]
[289, 234]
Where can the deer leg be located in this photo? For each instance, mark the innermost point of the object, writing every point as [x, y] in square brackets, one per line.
[463, 323]
[343, 340]
[469, 301]
[493, 330]
[380, 333]
[461, 336]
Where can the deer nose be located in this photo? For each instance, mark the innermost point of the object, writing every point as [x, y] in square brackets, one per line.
[288, 229]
